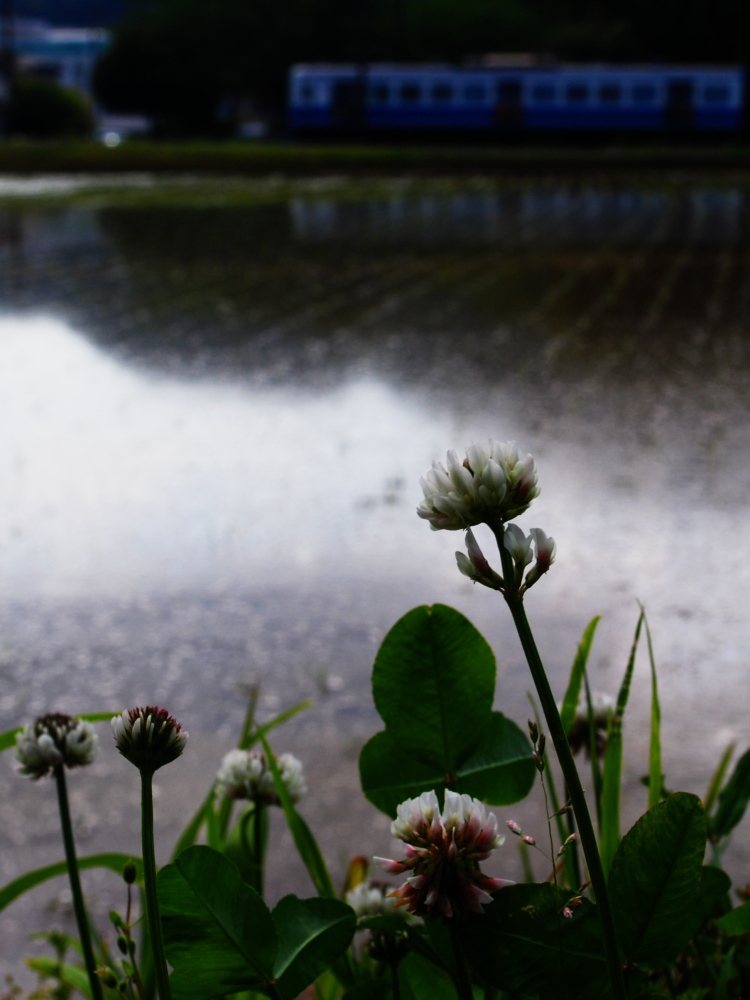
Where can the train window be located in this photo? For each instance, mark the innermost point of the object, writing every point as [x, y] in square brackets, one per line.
[409, 92]
[509, 91]
[644, 93]
[379, 93]
[475, 92]
[716, 94]
[442, 92]
[542, 93]
[610, 93]
[577, 93]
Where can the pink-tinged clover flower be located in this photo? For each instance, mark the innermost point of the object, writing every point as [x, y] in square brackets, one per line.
[53, 740]
[148, 737]
[443, 851]
[491, 483]
[475, 566]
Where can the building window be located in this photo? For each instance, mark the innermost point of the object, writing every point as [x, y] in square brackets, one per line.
[577, 93]
[610, 93]
[716, 94]
[644, 93]
[409, 92]
[442, 93]
[543, 93]
[475, 93]
[379, 93]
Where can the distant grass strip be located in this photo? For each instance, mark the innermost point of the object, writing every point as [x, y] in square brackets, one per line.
[298, 159]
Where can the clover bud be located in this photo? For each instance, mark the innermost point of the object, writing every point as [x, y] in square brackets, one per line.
[107, 977]
[148, 737]
[129, 872]
[545, 555]
[476, 567]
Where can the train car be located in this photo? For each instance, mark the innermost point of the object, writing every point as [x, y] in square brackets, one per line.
[383, 99]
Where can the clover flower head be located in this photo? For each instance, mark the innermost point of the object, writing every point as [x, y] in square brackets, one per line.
[579, 734]
[148, 737]
[491, 483]
[53, 740]
[443, 851]
[245, 774]
[370, 899]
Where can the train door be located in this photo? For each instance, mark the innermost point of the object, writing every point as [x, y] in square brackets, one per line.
[348, 104]
[680, 110]
[508, 108]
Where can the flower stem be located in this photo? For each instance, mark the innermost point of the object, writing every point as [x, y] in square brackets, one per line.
[75, 883]
[258, 844]
[463, 982]
[149, 881]
[568, 767]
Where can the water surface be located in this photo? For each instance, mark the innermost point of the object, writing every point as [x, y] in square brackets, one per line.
[214, 422]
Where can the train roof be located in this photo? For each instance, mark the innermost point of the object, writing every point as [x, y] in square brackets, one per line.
[540, 67]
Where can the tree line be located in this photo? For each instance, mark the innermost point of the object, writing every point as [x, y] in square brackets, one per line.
[189, 64]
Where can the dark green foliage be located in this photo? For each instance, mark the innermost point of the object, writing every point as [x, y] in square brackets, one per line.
[221, 937]
[42, 109]
[656, 879]
[733, 800]
[524, 943]
[433, 684]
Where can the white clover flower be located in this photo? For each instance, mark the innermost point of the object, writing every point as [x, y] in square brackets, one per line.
[370, 899]
[148, 737]
[245, 774]
[53, 740]
[475, 566]
[239, 774]
[491, 484]
[443, 852]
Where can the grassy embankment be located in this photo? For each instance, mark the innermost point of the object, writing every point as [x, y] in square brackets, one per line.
[260, 159]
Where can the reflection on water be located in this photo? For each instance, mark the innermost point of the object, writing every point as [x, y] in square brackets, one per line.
[214, 421]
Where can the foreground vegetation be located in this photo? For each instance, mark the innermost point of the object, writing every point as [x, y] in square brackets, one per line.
[647, 914]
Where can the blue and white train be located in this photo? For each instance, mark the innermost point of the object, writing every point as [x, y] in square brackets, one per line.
[380, 99]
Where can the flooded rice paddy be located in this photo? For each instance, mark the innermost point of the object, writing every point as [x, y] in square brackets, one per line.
[214, 418]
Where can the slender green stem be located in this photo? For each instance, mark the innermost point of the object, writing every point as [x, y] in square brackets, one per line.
[149, 882]
[258, 844]
[75, 883]
[395, 986]
[567, 765]
[463, 981]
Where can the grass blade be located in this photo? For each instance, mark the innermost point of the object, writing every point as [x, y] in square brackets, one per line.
[29, 880]
[573, 693]
[655, 774]
[718, 778]
[609, 833]
[303, 839]
[256, 734]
